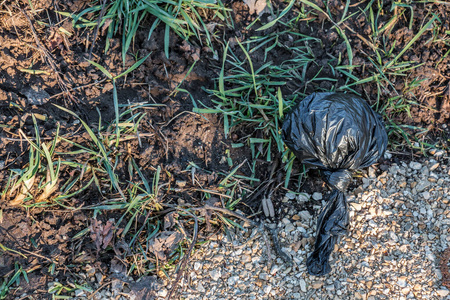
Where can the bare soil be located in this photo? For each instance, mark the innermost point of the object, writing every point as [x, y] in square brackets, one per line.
[174, 136]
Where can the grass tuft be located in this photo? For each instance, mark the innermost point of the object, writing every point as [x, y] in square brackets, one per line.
[184, 18]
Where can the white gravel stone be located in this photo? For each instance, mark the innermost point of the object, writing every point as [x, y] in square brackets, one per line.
[443, 292]
[302, 283]
[197, 266]
[200, 288]
[305, 215]
[303, 197]
[275, 269]
[162, 293]
[290, 196]
[415, 165]
[317, 196]
[232, 280]
[215, 274]
[372, 173]
[267, 289]
[422, 185]
[402, 281]
[289, 227]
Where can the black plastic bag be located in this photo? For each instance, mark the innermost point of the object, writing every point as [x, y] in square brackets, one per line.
[335, 133]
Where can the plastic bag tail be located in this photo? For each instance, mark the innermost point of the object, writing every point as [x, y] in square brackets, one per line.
[332, 223]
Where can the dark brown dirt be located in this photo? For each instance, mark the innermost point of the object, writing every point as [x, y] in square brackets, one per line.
[174, 137]
[444, 265]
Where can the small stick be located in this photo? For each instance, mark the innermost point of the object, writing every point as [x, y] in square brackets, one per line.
[186, 257]
[181, 113]
[228, 212]
[99, 20]
[212, 192]
[269, 254]
[101, 287]
[276, 243]
[76, 88]
[166, 145]
[46, 57]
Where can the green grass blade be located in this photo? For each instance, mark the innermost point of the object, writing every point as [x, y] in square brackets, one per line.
[285, 11]
[116, 111]
[88, 129]
[166, 40]
[280, 103]
[222, 71]
[414, 39]
[251, 68]
[104, 71]
[133, 67]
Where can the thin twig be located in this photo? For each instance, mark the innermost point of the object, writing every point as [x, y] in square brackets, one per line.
[181, 113]
[186, 257]
[137, 131]
[228, 212]
[97, 28]
[76, 88]
[24, 250]
[286, 258]
[166, 144]
[266, 241]
[101, 287]
[212, 192]
[38, 255]
[46, 57]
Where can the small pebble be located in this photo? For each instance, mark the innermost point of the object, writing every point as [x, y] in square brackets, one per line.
[303, 285]
[443, 293]
[317, 196]
[415, 165]
[267, 289]
[232, 280]
[290, 196]
[317, 284]
[215, 274]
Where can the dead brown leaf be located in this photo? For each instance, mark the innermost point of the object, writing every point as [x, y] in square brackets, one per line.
[213, 201]
[102, 234]
[190, 51]
[163, 244]
[106, 26]
[256, 6]
[55, 40]
[169, 220]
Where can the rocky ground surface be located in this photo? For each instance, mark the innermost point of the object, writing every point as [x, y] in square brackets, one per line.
[400, 220]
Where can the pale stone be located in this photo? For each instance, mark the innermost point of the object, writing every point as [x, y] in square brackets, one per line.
[316, 284]
[303, 285]
[443, 292]
[215, 274]
[415, 165]
[317, 196]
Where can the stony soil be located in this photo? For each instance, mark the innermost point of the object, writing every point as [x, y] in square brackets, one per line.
[400, 220]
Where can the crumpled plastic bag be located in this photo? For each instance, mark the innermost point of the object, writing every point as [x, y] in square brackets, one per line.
[336, 133]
